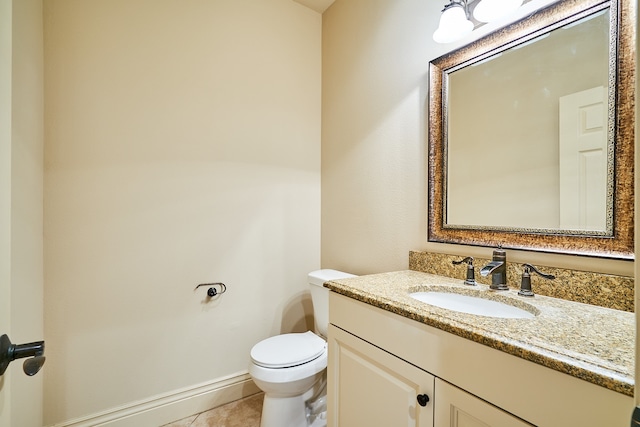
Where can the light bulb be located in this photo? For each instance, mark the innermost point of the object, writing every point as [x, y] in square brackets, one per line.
[490, 10]
[453, 25]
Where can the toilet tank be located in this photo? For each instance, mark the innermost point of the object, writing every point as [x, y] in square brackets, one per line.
[320, 296]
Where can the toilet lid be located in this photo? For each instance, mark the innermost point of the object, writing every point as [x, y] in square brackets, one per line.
[283, 351]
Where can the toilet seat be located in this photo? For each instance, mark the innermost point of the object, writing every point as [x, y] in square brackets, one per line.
[287, 350]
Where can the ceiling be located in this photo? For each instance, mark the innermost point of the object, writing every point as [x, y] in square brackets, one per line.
[318, 5]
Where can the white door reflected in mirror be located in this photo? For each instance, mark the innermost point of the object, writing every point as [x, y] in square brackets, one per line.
[583, 161]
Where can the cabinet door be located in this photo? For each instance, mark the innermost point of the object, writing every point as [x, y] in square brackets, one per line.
[370, 387]
[457, 408]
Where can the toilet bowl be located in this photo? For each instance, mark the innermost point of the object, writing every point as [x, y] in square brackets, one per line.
[290, 368]
[288, 382]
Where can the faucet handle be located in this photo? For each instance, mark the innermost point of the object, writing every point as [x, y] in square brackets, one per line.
[471, 277]
[525, 284]
[468, 260]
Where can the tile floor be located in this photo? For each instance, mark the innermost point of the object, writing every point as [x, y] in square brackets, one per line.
[241, 413]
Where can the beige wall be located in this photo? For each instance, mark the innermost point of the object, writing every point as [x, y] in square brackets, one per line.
[21, 186]
[5, 195]
[182, 147]
[375, 60]
[374, 131]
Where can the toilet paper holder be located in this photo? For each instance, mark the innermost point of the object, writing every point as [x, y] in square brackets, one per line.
[213, 288]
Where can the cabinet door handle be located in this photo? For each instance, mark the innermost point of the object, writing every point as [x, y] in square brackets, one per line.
[423, 399]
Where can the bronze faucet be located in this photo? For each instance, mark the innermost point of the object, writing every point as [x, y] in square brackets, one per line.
[498, 270]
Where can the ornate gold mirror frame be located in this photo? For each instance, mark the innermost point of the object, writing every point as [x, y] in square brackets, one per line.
[619, 244]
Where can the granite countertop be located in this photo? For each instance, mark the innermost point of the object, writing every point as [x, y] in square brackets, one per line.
[589, 342]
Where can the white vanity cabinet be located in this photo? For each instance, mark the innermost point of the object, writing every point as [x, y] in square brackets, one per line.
[457, 408]
[379, 362]
[371, 387]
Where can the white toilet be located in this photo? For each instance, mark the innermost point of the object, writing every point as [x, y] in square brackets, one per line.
[289, 367]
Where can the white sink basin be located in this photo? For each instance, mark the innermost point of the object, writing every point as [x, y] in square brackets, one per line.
[472, 305]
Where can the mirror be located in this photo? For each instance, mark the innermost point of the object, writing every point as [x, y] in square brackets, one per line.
[519, 109]
[531, 134]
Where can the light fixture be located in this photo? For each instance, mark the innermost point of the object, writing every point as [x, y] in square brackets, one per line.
[455, 23]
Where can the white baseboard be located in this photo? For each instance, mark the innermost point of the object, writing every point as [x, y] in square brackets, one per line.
[167, 407]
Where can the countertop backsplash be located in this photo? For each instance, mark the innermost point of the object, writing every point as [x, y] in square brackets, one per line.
[604, 290]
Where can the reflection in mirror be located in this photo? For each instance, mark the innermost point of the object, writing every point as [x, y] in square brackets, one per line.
[531, 133]
[527, 134]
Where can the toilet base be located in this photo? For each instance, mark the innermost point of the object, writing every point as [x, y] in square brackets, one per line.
[294, 411]
[283, 411]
